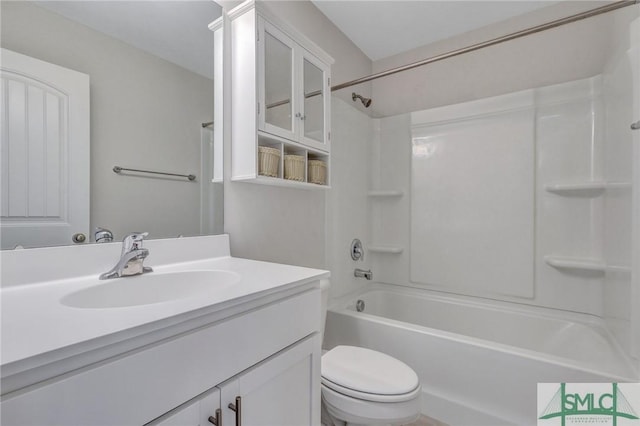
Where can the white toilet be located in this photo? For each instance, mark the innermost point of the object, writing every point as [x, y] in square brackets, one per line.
[365, 387]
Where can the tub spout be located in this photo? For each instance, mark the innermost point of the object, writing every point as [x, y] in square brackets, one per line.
[361, 273]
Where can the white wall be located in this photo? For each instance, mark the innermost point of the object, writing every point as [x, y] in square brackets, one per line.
[299, 226]
[145, 113]
[566, 53]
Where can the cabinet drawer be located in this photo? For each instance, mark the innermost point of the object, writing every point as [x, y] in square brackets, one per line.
[137, 387]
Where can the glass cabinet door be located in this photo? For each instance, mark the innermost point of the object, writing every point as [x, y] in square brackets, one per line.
[313, 102]
[315, 95]
[293, 85]
[278, 83]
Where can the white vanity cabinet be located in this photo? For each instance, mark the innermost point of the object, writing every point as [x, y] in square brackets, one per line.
[280, 97]
[270, 363]
[274, 392]
[198, 412]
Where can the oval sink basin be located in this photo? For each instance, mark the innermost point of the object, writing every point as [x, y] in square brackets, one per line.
[149, 289]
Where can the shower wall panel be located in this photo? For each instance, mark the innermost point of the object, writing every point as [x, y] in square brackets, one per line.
[621, 93]
[472, 204]
[562, 143]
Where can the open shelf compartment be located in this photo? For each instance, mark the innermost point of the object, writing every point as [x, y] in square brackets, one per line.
[287, 147]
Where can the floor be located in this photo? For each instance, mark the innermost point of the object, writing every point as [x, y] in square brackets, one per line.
[426, 421]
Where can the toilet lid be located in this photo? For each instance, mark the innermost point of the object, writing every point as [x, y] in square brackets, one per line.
[367, 371]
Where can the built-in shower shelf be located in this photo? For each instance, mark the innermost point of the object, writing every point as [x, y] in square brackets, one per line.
[585, 188]
[385, 193]
[583, 264]
[386, 249]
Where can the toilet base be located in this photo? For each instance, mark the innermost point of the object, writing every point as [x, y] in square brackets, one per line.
[365, 414]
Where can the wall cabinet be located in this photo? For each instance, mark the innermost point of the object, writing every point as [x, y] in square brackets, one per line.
[280, 98]
[270, 364]
[293, 89]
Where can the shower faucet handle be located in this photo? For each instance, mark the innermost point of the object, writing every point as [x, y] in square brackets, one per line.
[357, 251]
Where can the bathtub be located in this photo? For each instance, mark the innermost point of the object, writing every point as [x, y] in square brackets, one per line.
[478, 360]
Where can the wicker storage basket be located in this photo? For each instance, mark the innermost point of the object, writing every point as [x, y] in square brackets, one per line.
[317, 172]
[268, 161]
[294, 167]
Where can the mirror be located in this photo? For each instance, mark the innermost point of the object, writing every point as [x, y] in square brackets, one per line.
[278, 79]
[150, 78]
[313, 102]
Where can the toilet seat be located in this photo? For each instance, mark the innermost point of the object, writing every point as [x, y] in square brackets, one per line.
[368, 375]
[372, 397]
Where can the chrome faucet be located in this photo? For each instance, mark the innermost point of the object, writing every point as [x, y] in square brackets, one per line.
[131, 258]
[361, 273]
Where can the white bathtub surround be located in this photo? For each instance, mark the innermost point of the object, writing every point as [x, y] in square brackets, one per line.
[347, 202]
[561, 251]
[47, 345]
[634, 316]
[472, 204]
[483, 221]
[621, 244]
[479, 361]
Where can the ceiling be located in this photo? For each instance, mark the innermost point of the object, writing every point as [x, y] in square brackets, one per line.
[385, 28]
[176, 31]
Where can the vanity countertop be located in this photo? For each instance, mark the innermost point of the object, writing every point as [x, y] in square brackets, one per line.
[39, 331]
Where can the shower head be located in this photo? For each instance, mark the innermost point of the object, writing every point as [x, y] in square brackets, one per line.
[365, 101]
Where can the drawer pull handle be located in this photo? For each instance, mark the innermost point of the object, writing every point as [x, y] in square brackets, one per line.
[217, 420]
[635, 126]
[237, 408]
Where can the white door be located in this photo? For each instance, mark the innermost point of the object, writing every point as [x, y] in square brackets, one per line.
[45, 152]
[284, 390]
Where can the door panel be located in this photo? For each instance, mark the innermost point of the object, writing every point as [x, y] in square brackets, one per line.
[195, 413]
[283, 390]
[45, 152]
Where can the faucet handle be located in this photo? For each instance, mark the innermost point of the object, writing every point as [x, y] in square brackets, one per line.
[102, 235]
[133, 241]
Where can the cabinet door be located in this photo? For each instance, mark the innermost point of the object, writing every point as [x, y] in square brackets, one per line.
[193, 413]
[283, 390]
[315, 95]
[277, 107]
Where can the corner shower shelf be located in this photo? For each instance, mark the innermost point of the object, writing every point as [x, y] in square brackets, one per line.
[589, 189]
[385, 193]
[583, 264]
[386, 249]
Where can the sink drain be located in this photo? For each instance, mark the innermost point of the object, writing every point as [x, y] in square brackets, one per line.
[360, 305]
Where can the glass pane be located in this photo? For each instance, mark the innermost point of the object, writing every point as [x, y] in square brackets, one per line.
[277, 64]
[313, 102]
